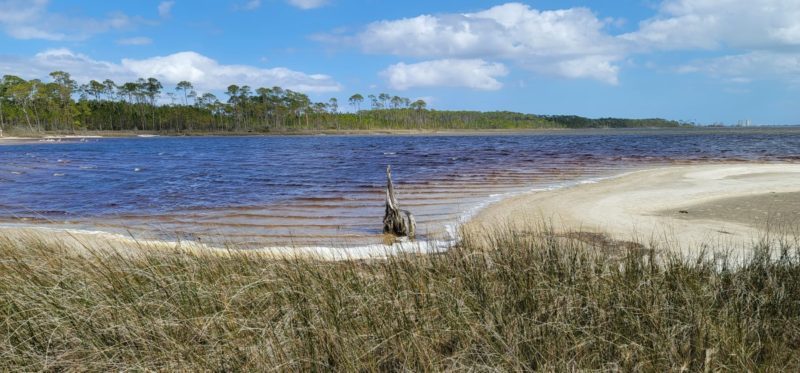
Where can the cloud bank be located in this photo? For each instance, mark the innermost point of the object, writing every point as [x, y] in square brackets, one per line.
[751, 37]
[475, 74]
[568, 43]
[30, 19]
[205, 73]
[716, 24]
[765, 33]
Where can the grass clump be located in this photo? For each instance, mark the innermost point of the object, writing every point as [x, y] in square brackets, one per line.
[534, 302]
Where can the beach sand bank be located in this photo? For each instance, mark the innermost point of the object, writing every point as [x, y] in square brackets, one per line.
[13, 140]
[682, 208]
[86, 242]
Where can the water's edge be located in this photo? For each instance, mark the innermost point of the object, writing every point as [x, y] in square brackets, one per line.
[370, 251]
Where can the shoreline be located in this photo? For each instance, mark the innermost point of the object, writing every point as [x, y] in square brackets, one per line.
[91, 242]
[37, 138]
[378, 132]
[678, 208]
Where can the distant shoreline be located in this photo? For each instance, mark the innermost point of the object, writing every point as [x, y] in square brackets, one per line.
[125, 134]
[38, 137]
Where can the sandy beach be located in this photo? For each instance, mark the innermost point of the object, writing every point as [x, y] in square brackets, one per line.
[85, 242]
[14, 140]
[684, 209]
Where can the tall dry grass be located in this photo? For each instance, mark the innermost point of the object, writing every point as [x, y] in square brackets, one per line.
[535, 302]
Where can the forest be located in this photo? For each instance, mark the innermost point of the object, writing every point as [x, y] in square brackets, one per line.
[63, 105]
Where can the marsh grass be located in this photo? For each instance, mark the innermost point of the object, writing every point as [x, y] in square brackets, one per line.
[537, 301]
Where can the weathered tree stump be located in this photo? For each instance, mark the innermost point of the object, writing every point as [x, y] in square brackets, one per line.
[397, 222]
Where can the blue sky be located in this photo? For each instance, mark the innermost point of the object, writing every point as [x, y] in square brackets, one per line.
[697, 60]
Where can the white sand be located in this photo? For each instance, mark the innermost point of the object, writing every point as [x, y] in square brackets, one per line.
[12, 140]
[646, 206]
[100, 243]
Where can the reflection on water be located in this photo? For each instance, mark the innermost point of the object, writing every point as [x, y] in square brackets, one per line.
[328, 189]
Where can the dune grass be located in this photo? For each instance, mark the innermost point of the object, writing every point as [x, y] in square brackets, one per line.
[535, 302]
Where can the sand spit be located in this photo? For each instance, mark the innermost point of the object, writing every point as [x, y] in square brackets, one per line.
[682, 208]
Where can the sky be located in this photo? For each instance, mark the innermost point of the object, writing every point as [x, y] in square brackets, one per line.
[704, 61]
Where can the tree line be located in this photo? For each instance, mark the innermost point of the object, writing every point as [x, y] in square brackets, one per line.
[146, 105]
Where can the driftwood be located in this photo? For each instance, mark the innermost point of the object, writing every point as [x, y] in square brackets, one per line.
[397, 222]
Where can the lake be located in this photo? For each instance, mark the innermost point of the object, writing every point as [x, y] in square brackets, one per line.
[328, 190]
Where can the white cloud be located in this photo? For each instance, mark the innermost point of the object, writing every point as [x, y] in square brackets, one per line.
[717, 24]
[32, 32]
[308, 4]
[574, 43]
[21, 12]
[139, 40]
[761, 37]
[205, 73]
[469, 73]
[21, 20]
[165, 9]
[302, 4]
[570, 43]
[80, 66]
[30, 19]
[743, 68]
[250, 5]
[592, 67]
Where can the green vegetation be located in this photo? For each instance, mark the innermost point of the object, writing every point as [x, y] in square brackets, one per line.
[34, 106]
[536, 302]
